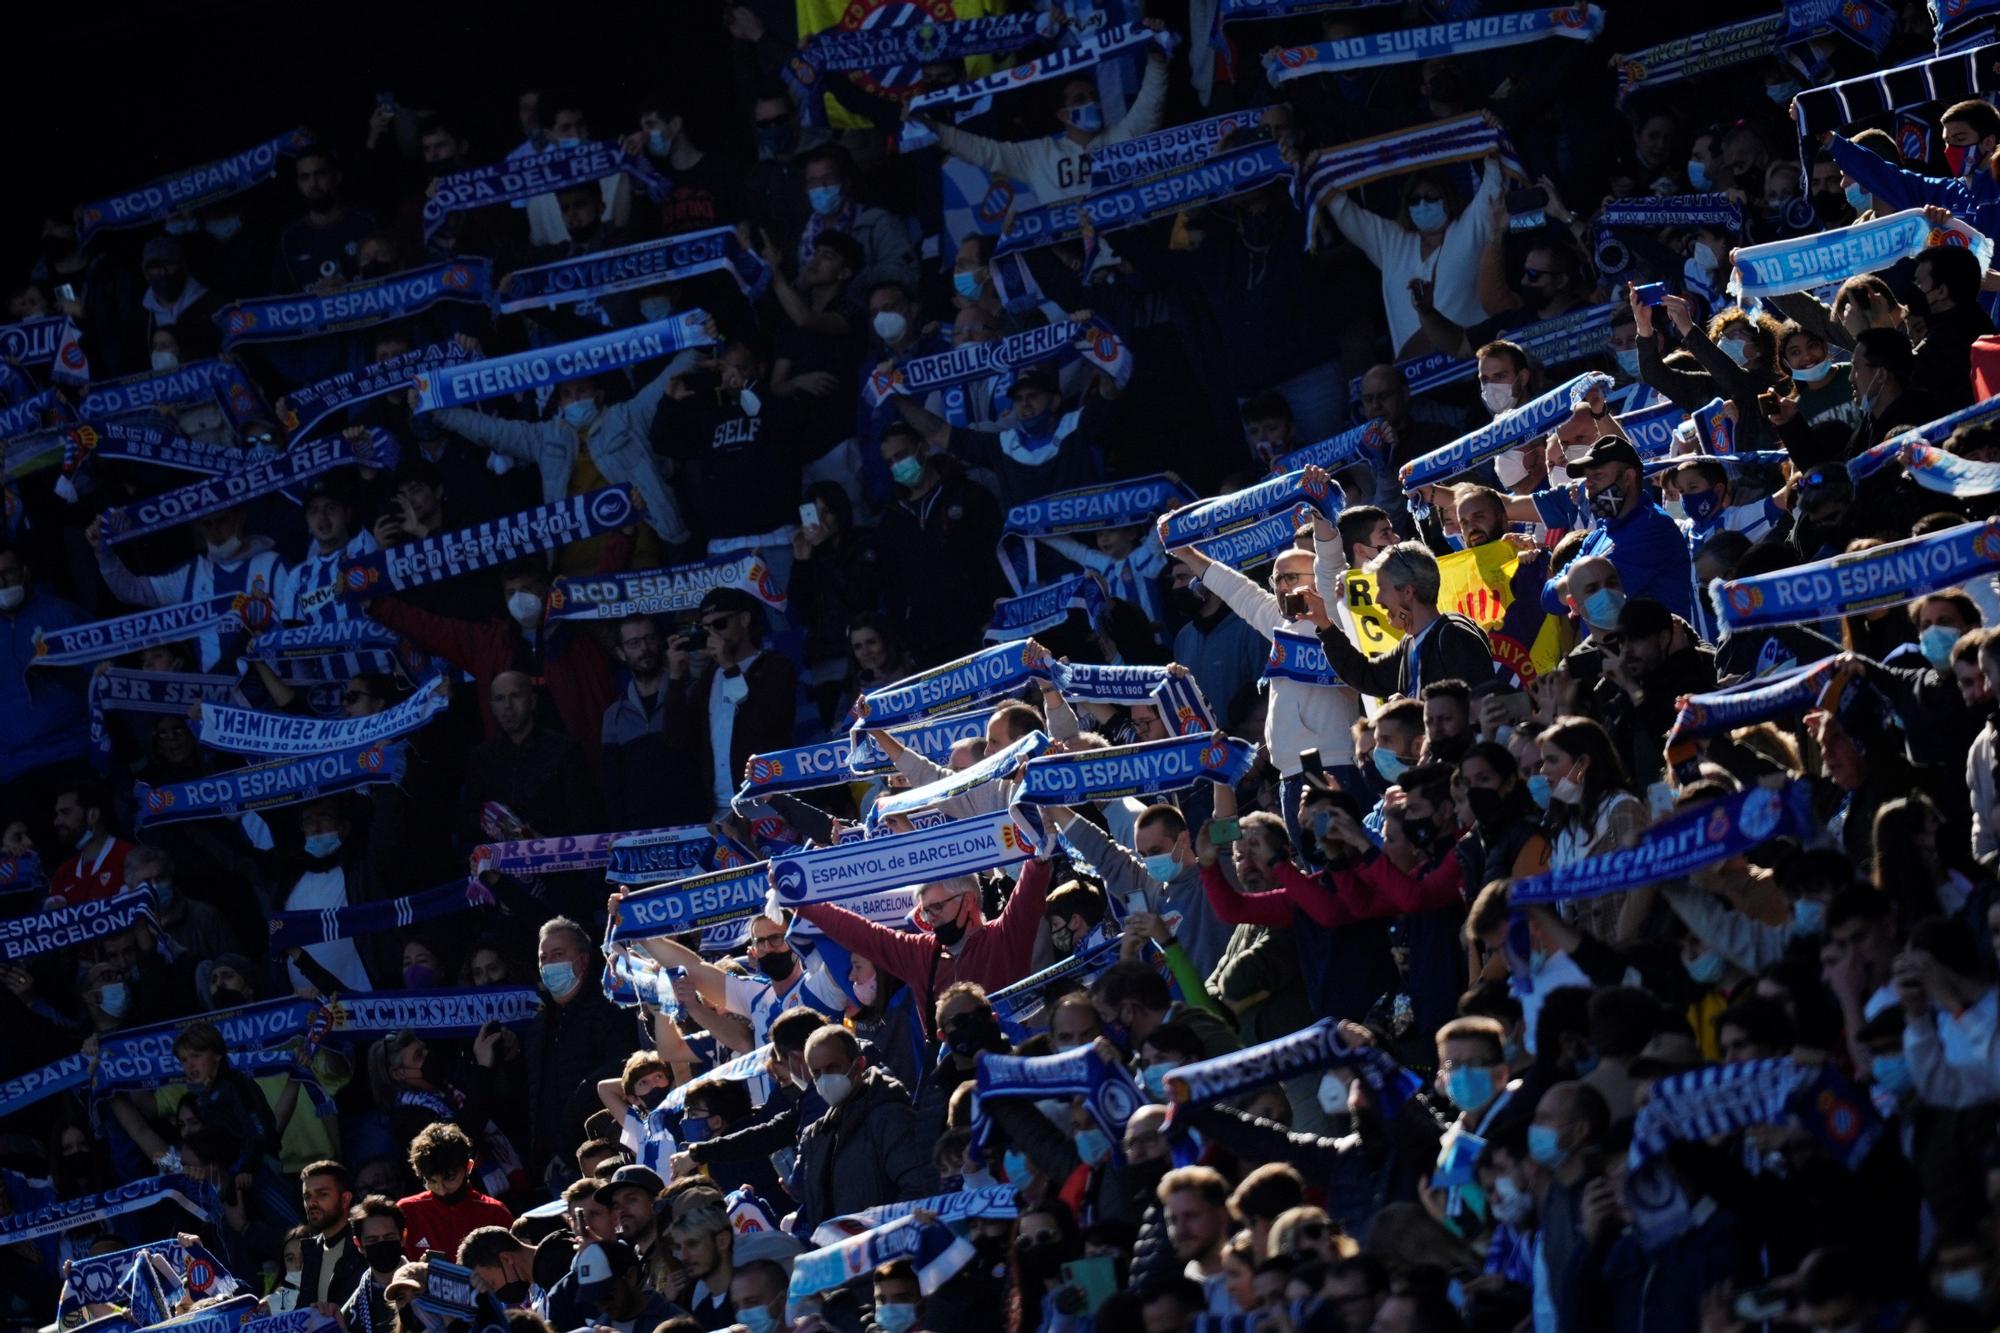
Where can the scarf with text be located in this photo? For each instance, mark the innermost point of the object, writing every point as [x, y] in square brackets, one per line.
[451, 1299]
[255, 731]
[172, 693]
[932, 739]
[885, 47]
[1045, 608]
[1489, 32]
[992, 673]
[1651, 213]
[1688, 841]
[301, 410]
[1860, 581]
[1799, 263]
[695, 903]
[70, 1214]
[1934, 469]
[1785, 694]
[1020, 1001]
[291, 930]
[1696, 54]
[1349, 166]
[668, 591]
[394, 296]
[1150, 768]
[1060, 63]
[1299, 657]
[631, 267]
[1509, 430]
[1312, 1048]
[100, 640]
[1946, 78]
[1251, 544]
[932, 1249]
[1553, 342]
[448, 555]
[1052, 345]
[211, 495]
[216, 380]
[65, 927]
[801, 768]
[1866, 464]
[1162, 151]
[52, 341]
[101, 1279]
[267, 786]
[1208, 181]
[549, 172]
[995, 767]
[647, 858]
[1109, 1093]
[1366, 443]
[1950, 18]
[1114, 504]
[991, 1201]
[542, 368]
[335, 638]
[1280, 495]
[31, 413]
[154, 443]
[876, 865]
[541, 856]
[190, 189]
[1718, 1100]
[1869, 24]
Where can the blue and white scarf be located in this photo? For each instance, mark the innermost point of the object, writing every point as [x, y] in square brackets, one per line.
[52, 341]
[298, 1319]
[647, 858]
[934, 1250]
[995, 767]
[394, 296]
[884, 46]
[1311, 1048]
[1509, 430]
[1019, 1002]
[215, 380]
[738, 1069]
[1252, 544]
[1284, 494]
[1696, 54]
[630, 980]
[1113, 504]
[1299, 657]
[1651, 430]
[801, 768]
[1208, 181]
[1950, 17]
[1860, 581]
[694, 903]
[654, 592]
[1799, 263]
[1554, 342]
[70, 1214]
[1064, 61]
[1869, 24]
[302, 410]
[31, 414]
[548, 172]
[1045, 608]
[231, 1316]
[447, 555]
[1653, 467]
[331, 638]
[255, 731]
[21, 872]
[1868, 463]
[542, 368]
[991, 1201]
[101, 640]
[154, 443]
[1691, 840]
[1171, 149]
[1234, 10]
[1000, 359]
[452, 1299]
[1109, 1093]
[1150, 768]
[1491, 32]
[1930, 466]
[631, 267]
[932, 739]
[184, 190]
[1718, 1100]
[266, 786]
[120, 690]
[992, 673]
[875, 865]
[64, 1075]
[1365, 443]
[1946, 78]
[292, 930]
[450, 1013]
[102, 1279]
[1349, 166]
[212, 495]
[65, 927]
[1759, 699]
[1652, 213]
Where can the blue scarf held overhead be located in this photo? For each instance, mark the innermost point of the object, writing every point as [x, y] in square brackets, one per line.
[1718, 1100]
[1086, 509]
[1488, 32]
[452, 1299]
[1109, 1093]
[542, 368]
[1892, 450]
[266, 786]
[695, 903]
[1150, 768]
[302, 410]
[154, 443]
[1062, 62]
[801, 768]
[1759, 699]
[52, 341]
[1042, 609]
[1280, 495]
[996, 766]
[1799, 263]
[1509, 430]
[633, 267]
[31, 413]
[549, 172]
[1859, 581]
[999, 359]
[541, 856]
[101, 640]
[447, 555]
[668, 591]
[1201, 183]
[1698, 53]
[1946, 78]
[647, 858]
[216, 380]
[98, 1279]
[57, 1218]
[1869, 24]
[934, 1250]
[213, 495]
[1167, 150]
[1309, 1049]
[931, 739]
[394, 296]
[903, 860]
[991, 1201]
[189, 189]
[1468, 138]
[1365, 443]
[330, 638]
[953, 687]
[64, 927]
[255, 731]
[291, 930]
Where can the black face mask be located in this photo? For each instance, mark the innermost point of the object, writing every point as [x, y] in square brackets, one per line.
[1185, 603]
[949, 934]
[383, 1256]
[226, 997]
[1488, 805]
[971, 1032]
[777, 966]
[652, 1097]
[1145, 1178]
[1041, 1262]
[1451, 749]
[1421, 832]
[514, 1295]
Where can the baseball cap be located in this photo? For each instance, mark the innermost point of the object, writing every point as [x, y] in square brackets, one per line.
[1037, 377]
[631, 1173]
[598, 1264]
[1608, 449]
[236, 962]
[728, 600]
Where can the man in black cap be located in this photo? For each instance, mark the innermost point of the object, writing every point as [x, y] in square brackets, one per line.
[1651, 659]
[174, 300]
[1042, 448]
[727, 698]
[309, 591]
[608, 1286]
[630, 1194]
[1629, 529]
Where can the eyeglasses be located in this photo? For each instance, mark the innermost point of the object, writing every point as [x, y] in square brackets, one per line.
[633, 645]
[939, 910]
[716, 624]
[768, 941]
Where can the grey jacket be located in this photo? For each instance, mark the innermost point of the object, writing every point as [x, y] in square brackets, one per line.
[1204, 937]
[619, 443]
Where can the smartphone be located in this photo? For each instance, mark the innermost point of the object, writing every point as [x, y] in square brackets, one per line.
[1135, 902]
[1515, 707]
[809, 514]
[1096, 1278]
[1309, 761]
[1531, 200]
[1768, 401]
[1293, 604]
[1224, 830]
[1584, 664]
[1650, 293]
[66, 292]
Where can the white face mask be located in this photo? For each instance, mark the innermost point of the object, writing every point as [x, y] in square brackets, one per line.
[1332, 1093]
[524, 606]
[227, 550]
[166, 361]
[10, 598]
[890, 325]
[750, 402]
[1512, 469]
[833, 1088]
[1497, 397]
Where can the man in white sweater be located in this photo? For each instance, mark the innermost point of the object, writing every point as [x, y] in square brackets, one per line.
[1058, 168]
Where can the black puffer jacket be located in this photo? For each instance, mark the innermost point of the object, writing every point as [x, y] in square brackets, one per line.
[863, 1152]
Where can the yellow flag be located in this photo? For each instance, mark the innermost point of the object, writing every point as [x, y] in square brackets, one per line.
[1481, 585]
[853, 15]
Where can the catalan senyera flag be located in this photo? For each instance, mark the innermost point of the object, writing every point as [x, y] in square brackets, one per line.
[816, 16]
[1486, 584]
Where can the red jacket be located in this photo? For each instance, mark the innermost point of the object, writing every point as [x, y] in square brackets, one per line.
[1374, 888]
[994, 955]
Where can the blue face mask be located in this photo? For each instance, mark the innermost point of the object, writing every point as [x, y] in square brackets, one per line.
[657, 143]
[1628, 361]
[652, 309]
[1892, 1074]
[824, 199]
[1858, 199]
[757, 1319]
[893, 1318]
[1093, 1146]
[1388, 763]
[1809, 916]
[966, 285]
[1089, 117]
[1162, 867]
[1427, 215]
[558, 979]
[1469, 1086]
[1545, 1146]
[1538, 789]
[579, 412]
[1937, 643]
[694, 1129]
[1601, 608]
[1706, 970]
[1815, 373]
[1698, 174]
[1039, 426]
[1700, 504]
[1016, 1165]
[322, 844]
[777, 140]
[1155, 1079]
[907, 471]
[569, 143]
